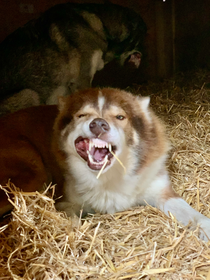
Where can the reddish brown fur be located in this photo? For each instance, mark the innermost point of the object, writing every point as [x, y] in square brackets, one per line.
[29, 149]
[26, 152]
[156, 140]
[153, 134]
[169, 193]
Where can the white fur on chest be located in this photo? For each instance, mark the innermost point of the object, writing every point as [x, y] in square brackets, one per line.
[114, 191]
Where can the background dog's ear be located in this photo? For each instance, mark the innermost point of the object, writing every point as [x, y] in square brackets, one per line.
[61, 102]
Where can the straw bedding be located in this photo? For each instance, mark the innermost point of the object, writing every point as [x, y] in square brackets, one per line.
[141, 243]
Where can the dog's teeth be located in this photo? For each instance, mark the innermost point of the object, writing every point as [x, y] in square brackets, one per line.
[95, 145]
[90, 146]
[110, 148]
[90, 158]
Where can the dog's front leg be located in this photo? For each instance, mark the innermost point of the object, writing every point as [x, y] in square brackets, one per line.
[184, 213]
[160, 194]
[92, 62]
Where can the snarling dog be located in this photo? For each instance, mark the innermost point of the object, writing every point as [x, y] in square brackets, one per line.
[63, 49]
[106, 151]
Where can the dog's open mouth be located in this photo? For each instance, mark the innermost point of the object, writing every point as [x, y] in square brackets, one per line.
[96, 152]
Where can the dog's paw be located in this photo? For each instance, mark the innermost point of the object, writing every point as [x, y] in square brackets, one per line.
[70, 212]
[75, 221]
[204, 225]
[66, 207]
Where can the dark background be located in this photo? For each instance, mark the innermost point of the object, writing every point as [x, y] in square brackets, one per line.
[178, 34]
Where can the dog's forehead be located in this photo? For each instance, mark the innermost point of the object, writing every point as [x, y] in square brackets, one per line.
[111, 103]
[102, 107]
[113, 100]
[88, 108]
[114, 110]
[101, 102]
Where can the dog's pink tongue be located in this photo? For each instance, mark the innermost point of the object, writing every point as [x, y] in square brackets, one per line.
[99, 154]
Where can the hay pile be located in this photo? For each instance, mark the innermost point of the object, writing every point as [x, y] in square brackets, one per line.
[40, 243]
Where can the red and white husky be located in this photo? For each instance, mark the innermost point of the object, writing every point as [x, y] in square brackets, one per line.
[107, 154]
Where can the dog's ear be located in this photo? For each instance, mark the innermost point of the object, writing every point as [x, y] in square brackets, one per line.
[144, 103]
[61, 102]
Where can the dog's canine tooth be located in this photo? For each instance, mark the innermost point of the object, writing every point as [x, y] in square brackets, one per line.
[110, 147]
[90, 158]
[90, 145]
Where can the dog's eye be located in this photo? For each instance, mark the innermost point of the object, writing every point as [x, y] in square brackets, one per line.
[120, 117]
[82, 115]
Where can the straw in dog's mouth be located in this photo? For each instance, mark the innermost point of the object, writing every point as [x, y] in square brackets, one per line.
[97, 153]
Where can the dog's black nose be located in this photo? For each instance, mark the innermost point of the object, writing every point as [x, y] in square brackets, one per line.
[99, 126]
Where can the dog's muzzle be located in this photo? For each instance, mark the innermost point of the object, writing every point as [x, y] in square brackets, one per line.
[94, 151]
[99, 126]
[134, 60]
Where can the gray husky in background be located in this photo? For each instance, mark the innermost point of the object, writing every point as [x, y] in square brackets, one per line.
[61, 51]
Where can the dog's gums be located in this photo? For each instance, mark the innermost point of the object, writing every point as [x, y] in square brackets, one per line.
[95, 152]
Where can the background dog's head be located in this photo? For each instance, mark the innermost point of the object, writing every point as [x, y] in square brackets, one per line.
[125, 31]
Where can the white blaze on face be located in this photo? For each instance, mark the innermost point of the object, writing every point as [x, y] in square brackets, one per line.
[101, 102]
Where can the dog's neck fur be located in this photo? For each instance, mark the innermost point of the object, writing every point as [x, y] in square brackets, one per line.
[114, 190]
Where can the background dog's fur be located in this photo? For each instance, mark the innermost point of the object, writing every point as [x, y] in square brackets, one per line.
[61, 51]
